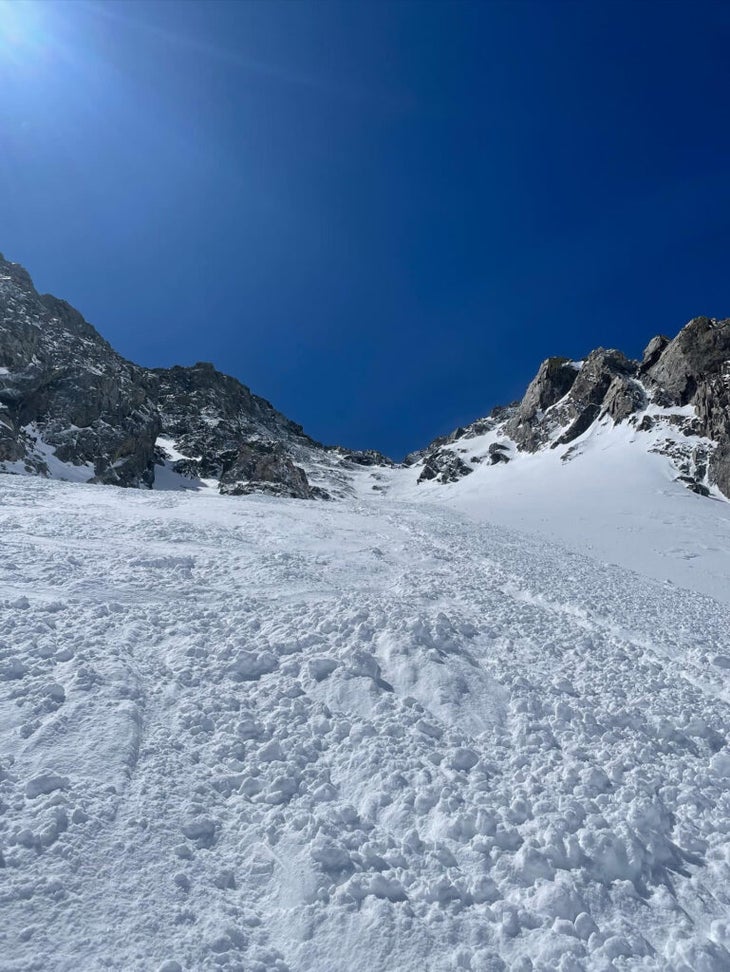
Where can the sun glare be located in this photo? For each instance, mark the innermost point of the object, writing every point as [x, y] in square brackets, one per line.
[21, 31]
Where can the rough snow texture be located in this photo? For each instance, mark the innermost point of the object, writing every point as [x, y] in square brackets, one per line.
[264, 734]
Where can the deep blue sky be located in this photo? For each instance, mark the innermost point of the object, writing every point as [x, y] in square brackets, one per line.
[380, 216]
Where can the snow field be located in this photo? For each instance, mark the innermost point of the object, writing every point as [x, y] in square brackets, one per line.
[606, 495]
[277, 735]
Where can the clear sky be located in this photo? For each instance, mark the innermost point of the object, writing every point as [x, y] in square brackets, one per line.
[381, 216]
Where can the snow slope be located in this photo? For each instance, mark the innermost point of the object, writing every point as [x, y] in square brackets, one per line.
[266, 734]
[607, 495]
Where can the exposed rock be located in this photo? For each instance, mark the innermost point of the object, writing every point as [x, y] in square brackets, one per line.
[694, 369]
[64, 392]
[566, 398]
[445, 467]
[694, 485]
[581, 424]
[564, 395]
[598, 371]
[71, 406]
[209, 415]
[264, 468]
[653, 351]
[624, 397]
[367, 457]
[699, 352]
[719, 467]
[497, 417]
[498, 453]
[553, 381]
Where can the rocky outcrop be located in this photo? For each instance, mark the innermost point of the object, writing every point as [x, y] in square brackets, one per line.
[264, 468]
[65, 395]
[719, 467]
[653, 351]
[367, 457]
[554, 379]
[71, 406]
[230, 434]
[444, 466]
[699, 353]
[624, 397]
[694, 369]
[498, 452]
[566, 398]
[208, 413]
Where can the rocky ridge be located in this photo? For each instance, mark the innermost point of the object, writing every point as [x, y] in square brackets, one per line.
[72, 407]
[678, 395]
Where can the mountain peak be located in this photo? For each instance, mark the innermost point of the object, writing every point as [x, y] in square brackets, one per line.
[72, 407]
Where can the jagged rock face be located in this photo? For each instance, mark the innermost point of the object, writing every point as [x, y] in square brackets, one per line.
[565, 393]
[624, 397]
[230, 434]
[264, 468]
[498, 415]
[67, 397]
[444, 466]
[497, 452]
[700, 352]
[65, 392]
[719, 467]
[694, 369]
[653, 350]
[207, 412]
[566, 398]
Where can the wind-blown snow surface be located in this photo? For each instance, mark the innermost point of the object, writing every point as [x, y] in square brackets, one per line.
[265, 735]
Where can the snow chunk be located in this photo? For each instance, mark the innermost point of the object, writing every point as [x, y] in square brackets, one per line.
[45, 783]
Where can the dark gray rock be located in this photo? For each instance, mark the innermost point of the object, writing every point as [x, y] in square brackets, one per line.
[498, 453]
[367, 457]
[624, 397]
[653, 351]
[209, 414]
[719, 467]
[66, 397]
[264, 467]
[700, 351]
[582, 422]
[694, 369]
[65, 392]
[561, 395]
[554, 379]
[445, 467]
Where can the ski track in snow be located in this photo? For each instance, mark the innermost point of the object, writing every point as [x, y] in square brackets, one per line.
[271, 735]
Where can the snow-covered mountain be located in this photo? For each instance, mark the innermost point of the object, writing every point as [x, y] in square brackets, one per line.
[473, 715]
[676, 401]
[72, 408]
